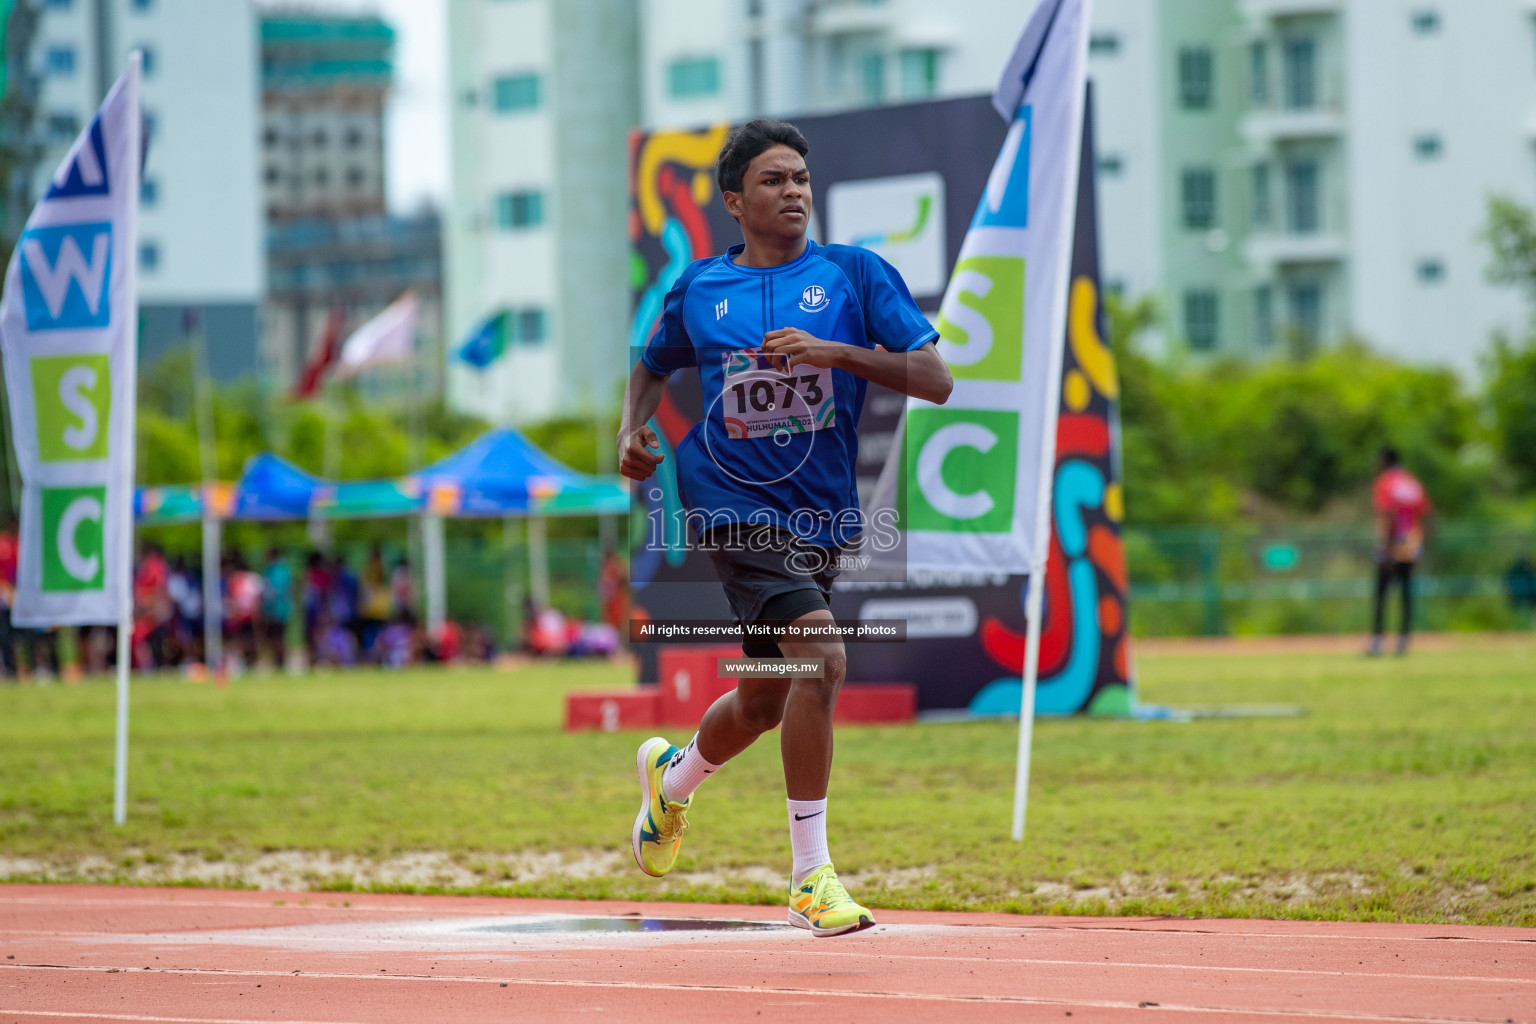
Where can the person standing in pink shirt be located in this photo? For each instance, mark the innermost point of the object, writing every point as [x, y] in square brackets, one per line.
[1402, 508]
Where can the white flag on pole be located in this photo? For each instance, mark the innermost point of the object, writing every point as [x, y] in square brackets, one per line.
[69, 330]
[976, 477]
[389, 337]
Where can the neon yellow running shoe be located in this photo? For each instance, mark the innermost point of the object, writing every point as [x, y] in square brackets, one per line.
[822, 906]
[659, 827]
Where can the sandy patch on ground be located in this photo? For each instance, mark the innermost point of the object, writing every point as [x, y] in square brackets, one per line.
[298, 870]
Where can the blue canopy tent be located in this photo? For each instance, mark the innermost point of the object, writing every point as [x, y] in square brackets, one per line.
[273, 488]
[499, 474]
[502, 474]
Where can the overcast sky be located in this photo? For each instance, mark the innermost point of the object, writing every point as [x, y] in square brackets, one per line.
[417, 121]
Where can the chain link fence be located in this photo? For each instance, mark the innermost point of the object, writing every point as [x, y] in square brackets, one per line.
[1321, 579]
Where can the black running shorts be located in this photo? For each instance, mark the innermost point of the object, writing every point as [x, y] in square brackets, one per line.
[770, 576]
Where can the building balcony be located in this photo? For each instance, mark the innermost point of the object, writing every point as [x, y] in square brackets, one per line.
[1264, 10]
[1278, 250]
[1271, 125]
[853, 17]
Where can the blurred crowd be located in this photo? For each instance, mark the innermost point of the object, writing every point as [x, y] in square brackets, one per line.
[327, 614]
[284, 614]
[339, 616]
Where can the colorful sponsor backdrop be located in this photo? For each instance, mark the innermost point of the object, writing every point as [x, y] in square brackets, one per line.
[905, 182]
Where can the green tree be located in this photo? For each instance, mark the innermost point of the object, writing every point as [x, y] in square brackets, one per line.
[1512, 398]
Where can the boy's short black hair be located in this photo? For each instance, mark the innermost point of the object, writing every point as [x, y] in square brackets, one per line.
[750, 141]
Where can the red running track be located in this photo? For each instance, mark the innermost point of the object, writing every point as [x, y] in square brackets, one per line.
[83, 953]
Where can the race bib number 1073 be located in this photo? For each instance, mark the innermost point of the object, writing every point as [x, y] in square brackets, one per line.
[760, 401]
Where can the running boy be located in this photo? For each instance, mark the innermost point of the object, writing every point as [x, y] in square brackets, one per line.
[784, 334]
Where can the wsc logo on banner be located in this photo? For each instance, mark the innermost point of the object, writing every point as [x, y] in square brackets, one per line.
[66, 274]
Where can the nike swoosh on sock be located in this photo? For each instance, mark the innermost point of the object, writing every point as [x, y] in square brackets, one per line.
[803, 817]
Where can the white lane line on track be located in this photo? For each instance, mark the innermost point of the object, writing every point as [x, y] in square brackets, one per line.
[1118, 963]
[738, 914]
[674, 910]
[223, 937]
[778, 990]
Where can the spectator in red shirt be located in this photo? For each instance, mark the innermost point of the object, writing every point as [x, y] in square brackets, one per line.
[1402, 507]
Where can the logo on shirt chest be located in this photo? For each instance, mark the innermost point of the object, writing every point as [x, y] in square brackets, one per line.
[814, 299]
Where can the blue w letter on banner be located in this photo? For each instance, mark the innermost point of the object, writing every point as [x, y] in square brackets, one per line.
[65, 276]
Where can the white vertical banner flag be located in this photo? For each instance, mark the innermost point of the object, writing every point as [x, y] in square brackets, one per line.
[69, 332]
[976, 478]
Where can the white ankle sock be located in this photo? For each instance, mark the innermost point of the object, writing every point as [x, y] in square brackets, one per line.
[808, 836]
[686, 771]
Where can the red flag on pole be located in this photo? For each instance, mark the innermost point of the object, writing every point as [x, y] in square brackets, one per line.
[321, 357]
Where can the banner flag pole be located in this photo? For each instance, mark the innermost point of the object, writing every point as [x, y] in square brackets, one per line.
[125, 456]
[1033, 610]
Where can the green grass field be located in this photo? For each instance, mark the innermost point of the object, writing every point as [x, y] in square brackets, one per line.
[1407, 793]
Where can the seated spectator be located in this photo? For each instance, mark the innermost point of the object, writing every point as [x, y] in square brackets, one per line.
[545, 634]
[395, 646]
[449, 642]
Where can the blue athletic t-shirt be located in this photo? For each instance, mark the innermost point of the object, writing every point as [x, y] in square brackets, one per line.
[779, 448]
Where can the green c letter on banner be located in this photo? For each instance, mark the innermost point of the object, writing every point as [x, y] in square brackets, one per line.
[73, 399]
[961, 468]
[74, 538]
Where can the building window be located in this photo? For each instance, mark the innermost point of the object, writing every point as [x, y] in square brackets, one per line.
[148, 60]
[1258, 74]
[1431, 271]
[1307, 312]
[919, 73]
[319, 138]
[142, 6]
[515, 92]
[271, 137]
[59, 5]
[273, 175]
[1303, 206]
[1103, 44]
[1300, 73]
[354, 138]
[1425, 22]
[1111, 165]
[151, 126]
[1260, 183]
[322, 177]
[1195, 78]
[693, 77]
[61, 60]
[872, 78]
[63, 126]
[355, 177]
[1200, 325]
[1427, 147]
[517, 210]
[1198, 194]
[149, 256]
[149, 192]
[1263, 316]
[528, 326]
